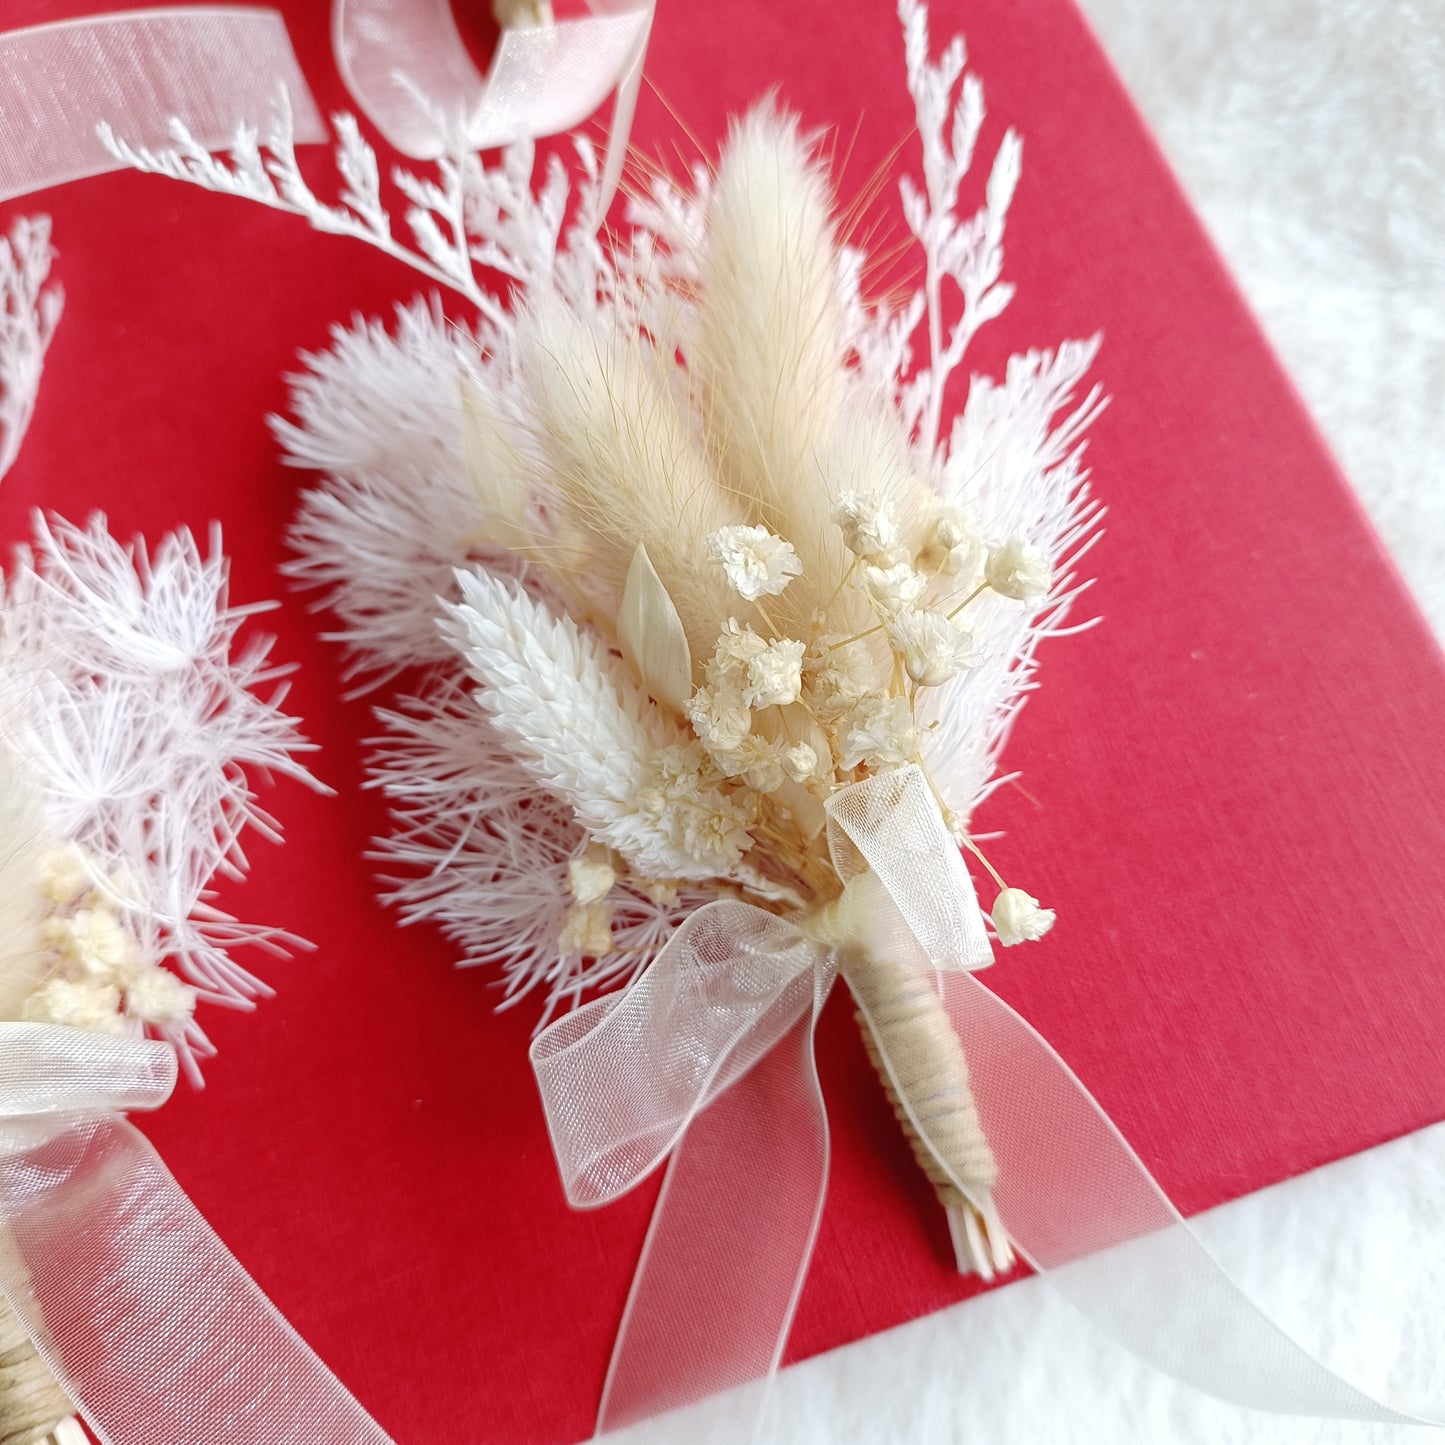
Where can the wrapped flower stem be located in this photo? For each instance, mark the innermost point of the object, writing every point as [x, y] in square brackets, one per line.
[921, 1063]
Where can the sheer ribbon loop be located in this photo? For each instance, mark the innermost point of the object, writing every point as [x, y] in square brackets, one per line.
[218, 68]
[623, 1078]
[215, 67]
[46, 1070]
[890, 824]
[409, 72]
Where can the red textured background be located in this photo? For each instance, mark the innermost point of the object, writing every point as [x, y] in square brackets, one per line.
[1232, 784]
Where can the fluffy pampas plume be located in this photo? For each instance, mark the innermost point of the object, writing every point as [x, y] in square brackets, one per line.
[134, 720]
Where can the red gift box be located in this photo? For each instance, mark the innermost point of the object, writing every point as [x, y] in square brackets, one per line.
[1227, 795]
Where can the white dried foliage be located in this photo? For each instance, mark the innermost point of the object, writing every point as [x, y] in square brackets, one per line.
[710, 375]
[29, 310]
[1019, 474]
[143, 720]
[380, 413]
[480, 852]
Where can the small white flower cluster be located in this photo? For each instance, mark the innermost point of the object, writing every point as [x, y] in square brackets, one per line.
[855, 705]
[867, 720]
[757, 563]
[747, 675]
[96, 974]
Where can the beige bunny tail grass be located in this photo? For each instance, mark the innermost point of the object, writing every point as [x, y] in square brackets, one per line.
[619, 456]
[770, 350]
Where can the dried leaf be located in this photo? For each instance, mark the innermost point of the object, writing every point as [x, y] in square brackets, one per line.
[651, 635]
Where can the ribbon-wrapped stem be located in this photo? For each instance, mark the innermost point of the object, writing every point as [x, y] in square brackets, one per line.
[921, 1063]
[34, 1409]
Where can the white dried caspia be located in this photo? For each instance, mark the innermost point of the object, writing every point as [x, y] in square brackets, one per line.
[869, 527]
[934, 650]
[1019, 569]
[756, 562]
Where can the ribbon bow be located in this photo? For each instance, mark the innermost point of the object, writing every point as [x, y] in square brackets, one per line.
[707, 1059]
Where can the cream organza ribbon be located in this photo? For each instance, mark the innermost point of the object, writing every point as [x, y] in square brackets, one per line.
[707, 1061]
[220, 67]
[138, 1309]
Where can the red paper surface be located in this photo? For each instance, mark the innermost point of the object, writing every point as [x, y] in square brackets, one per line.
[1231, 794]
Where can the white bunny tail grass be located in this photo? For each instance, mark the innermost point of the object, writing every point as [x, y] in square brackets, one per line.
[615, 449]
[145, 721]
[771, 345]
[587, 733]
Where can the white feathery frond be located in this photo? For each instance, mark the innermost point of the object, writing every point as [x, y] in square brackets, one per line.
[473, 220]
[143, 721]
[381, 412]
[1016, 474]
[479, 852]
[29, 310]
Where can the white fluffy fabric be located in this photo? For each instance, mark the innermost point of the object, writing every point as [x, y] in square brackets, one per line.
[1308, 135]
